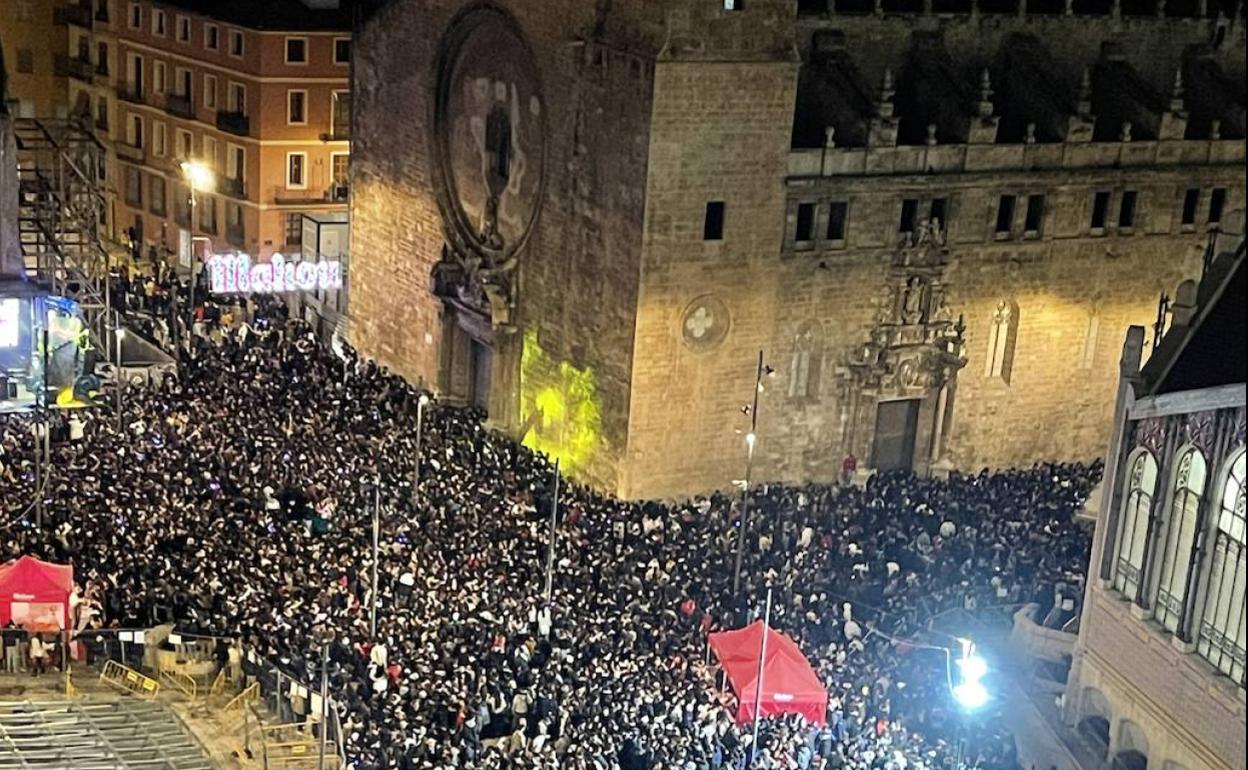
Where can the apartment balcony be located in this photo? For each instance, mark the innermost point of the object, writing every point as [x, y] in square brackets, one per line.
[128, 93]
[335, 194]
[128, 152]
[180, 106]
[78, 15]
[73, 67]
[232, 187]
[234, 123]
[339, 134]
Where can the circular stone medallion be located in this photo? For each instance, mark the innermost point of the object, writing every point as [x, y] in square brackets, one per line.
[489, 135]
[705, 323]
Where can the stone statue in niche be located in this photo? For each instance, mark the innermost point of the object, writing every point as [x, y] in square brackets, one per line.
[912, 300]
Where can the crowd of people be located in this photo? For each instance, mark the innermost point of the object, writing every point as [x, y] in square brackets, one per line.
[237, 499]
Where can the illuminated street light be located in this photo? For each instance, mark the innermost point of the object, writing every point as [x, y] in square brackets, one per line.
[199, 178]
[970, 692]
[751, 439]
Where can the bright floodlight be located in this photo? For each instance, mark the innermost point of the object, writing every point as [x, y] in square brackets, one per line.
[198, 176]
[121, 334]
[970, 695]
[424, 400]
[973, 668]
[970, 692]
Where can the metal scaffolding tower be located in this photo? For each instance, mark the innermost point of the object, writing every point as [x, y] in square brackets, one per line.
[61, 205]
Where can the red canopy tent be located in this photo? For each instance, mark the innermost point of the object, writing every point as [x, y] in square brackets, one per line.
[35, 593]
[790, 685]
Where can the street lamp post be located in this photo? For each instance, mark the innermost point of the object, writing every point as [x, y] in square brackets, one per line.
[199, 177]
[119, 333]
[420, 424]
[751, 440]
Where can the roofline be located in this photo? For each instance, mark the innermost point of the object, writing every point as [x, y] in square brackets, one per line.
[1206, 307]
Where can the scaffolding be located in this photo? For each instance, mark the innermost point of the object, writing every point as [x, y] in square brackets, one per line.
[60, 207]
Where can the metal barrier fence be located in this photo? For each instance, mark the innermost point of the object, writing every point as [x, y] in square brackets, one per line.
[292, 700]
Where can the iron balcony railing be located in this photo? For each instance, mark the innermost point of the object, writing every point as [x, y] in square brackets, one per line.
[234, 123]
[179, 106]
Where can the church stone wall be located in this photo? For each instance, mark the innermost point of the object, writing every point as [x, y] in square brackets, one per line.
[562, 372]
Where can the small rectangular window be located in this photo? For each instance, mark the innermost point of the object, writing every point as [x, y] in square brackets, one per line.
[294, 229]
[296, 170]
[210, 92]
[136, 16]
[1217, 201]
[158, 22]
[936, 212]
[156, 195]
[296, 50]
[342, 50]
[1126, 210]
[296, 107]
[1191, 201]
[184, 29]
[805, 232]
[734, 5]
[212, 37]
[236, 43]
[1005, 215]
[713, 225]
[909, 211]
[1100, 210]
[1034, 221]
[838, 214]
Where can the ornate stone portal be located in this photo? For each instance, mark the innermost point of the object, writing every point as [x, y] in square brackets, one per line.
[488, 145]
[897, 386]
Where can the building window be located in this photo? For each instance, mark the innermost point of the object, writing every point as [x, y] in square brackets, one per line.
[206, 205]
[734, 5]
[181, 204]
[212, 37]
[1005, 216]
[184, 29]
[158, 22]
[184, 85]
[134, 187]
[838, 218]
[184, 141]
[1179, 530]
[296, 170]
[136, 16]
[236, 43]
[1033, 222]
[1100, 211]
[25, 61]
[1217, 201]
[713, 223]
[1126, 210]
[156, 195]
[1191, 202]
[236, 162]
[807, 362]
[159, 76]
[339, 169]
[1221, 639]
[342, 50]
[134, 131]
[297, 108]
[1132, 539]
[296, 50]
[160, 139]
[210, 92]
[210, 150]
[238, 98]
[234, 229]
[937, 214]
[1002, 339]
[340, 113]
[294, 229]
[804, 235]
[909, 213]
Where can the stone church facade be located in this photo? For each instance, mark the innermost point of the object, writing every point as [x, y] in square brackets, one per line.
[588, 218]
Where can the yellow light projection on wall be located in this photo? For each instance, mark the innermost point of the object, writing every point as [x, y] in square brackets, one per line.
[559, 406]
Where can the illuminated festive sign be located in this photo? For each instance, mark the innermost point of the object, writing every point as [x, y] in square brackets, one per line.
[236, 274]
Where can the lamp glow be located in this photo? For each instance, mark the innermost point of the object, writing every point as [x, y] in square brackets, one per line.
[198, 175]
[424, 400]
[970, 692]
[971, 695]
[751, 439]
[121, 334]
